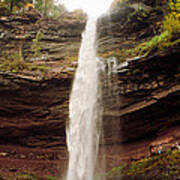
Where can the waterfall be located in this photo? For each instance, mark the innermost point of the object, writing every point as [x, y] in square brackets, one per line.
[82, 131]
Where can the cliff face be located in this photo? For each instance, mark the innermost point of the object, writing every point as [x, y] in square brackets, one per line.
[34, 102]
[129, 23]
[140, 99]
[144, 98]
[60, 38]
[33, 113]
[41, 99]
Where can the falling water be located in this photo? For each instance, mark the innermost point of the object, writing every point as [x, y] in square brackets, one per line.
[82, 132]
[112, 100]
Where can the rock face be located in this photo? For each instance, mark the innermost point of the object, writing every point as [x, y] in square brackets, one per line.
[144, 98]
[34, 104]
[135, 99]
[140, 99]
[33, 113]
[60, 37]
[128, 24]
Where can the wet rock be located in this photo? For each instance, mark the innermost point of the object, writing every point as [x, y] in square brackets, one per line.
[143, 100]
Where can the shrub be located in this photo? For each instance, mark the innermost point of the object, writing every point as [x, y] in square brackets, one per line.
[170, 32]
[163, 166]
[36, 45]
[13, 61]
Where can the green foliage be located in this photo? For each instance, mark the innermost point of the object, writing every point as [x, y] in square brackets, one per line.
[4, 9]
[116, 171]
[169, 36]
[71, 59]
[49, 8]
[172, 20]
[172, 23]
[36, 45]
[57, 10]
[174, 6]
[25, 176]
[157, 42]
[50, 178]
[29, 176]
[13, 61]
[162, 166]
[46, 7]
[14, 5]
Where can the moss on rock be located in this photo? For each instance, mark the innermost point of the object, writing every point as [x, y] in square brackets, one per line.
[165, 166]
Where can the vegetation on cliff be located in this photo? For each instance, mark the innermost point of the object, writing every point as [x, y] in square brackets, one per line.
[169, 36]
[164, 166]
[28, 176]
[32, 41]
[64, 43]
[46, 7]
[14, 61]
[167, 31]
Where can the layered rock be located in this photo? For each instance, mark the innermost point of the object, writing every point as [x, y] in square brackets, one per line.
[144, 98]
[140, 98]
[61, 37]
[33, 113]
[40, 102]
[127, 24]
[34, 104]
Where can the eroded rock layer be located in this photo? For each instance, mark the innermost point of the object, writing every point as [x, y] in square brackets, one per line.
[33, 113]
[61, 37]
[144, 98]
[140, 99]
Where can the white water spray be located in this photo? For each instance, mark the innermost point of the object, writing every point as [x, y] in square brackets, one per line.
[82, 132]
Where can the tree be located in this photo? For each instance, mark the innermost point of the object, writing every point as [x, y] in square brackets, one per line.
[49, 8]
[43, 6]
[16, 3]
[57, 10]
[46, 7]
